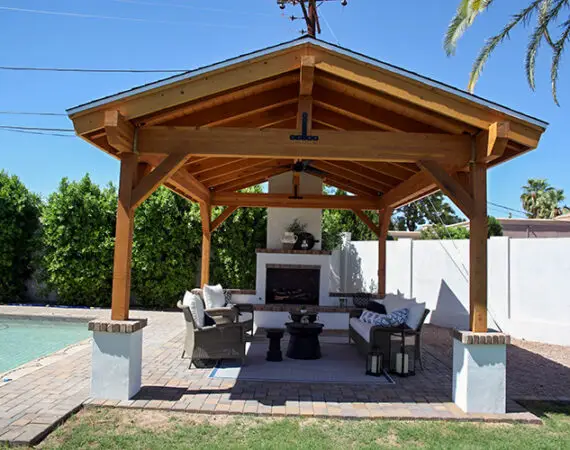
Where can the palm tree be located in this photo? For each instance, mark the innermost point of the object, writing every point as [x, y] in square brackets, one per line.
[540, 200]
[550, 14]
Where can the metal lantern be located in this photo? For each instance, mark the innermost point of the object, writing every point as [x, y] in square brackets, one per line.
[402, 354]
[374, 365]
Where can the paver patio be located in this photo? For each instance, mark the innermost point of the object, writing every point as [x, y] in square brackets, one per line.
[39, 398]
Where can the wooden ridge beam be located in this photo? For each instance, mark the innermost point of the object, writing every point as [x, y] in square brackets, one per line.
[120, 132]
[225, 214]
[449, 185]
[367, 221]
[307, 75]
[340, 145]
[150, 182]
[285, 201]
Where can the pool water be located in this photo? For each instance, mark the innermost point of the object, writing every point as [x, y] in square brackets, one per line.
[22, 340]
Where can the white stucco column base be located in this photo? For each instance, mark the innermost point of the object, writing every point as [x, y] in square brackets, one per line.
[479, 371]
[116, 363]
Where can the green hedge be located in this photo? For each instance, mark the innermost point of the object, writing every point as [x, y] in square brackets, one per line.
[19, 227]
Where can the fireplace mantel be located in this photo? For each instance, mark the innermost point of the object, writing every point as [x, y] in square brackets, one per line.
[292, 252]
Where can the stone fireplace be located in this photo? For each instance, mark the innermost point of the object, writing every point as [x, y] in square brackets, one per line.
[292, 284]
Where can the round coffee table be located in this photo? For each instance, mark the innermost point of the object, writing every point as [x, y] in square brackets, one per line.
[274, 335]
[304, 340]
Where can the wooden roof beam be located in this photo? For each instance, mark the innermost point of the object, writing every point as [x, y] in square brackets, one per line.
[120, 132]
[285, 201]
[186, 183]
[434, 100]
[363, 171]
[307, 76]
[450, 186]
[367, 221]
[491, 144]
[252, 168]
[222, 217]
[252, 179]
[341, 145]
[416, 187]
[334, 168]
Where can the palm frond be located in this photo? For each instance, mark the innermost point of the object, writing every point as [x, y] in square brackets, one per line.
[523, 16]
[466, 13]
[535, 40]
[559, 46]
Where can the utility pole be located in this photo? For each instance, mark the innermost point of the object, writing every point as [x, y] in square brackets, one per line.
[310, 13]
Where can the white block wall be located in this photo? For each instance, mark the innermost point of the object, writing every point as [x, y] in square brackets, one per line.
[528, 294]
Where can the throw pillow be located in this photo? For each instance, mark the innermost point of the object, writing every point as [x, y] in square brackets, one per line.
[194, 303]
[368, 316]
[395, 318]
[376, 307]
[214, 296]
[208, 321]
[415, 314]
[228, 296]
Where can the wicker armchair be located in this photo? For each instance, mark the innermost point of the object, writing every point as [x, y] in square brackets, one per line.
[232, 313]
[380, 336]
[220, 341]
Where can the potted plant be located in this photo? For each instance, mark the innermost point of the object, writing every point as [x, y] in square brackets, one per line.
[292, 234]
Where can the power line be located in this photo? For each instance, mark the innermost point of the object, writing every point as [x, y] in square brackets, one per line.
[128, 19]
[74, 69]
[507, 208]
[43, 133]
[31, 113]
[59, 130]
[195, 8]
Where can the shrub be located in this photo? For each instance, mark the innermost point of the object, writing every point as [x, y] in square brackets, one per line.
[19, 227]
[78, 238]
[166, 249]
[233, 246]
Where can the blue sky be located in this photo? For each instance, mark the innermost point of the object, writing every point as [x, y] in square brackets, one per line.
[200, 32]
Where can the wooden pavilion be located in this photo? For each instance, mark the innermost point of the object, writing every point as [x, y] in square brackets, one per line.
[379, 132]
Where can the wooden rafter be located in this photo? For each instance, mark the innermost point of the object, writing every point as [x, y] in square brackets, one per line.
[491, 144]
[341, 172]
[210, 177]
[307, 75]
[251, 180]
[265, 118]
[368, 113]
[270, 143]
[285, 201]
[220, 115]
[363, 172]
[433, 100]
[338, 121]
[207, 164]
[393, 104]
[346, 185]
[250, 170]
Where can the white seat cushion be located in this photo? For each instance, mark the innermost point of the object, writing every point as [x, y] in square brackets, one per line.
[362, 328]
[194, 303]
[214, 296]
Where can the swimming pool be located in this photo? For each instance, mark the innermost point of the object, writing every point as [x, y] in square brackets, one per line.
[25, 339]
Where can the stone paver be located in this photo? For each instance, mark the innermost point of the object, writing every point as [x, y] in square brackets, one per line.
[33, 404]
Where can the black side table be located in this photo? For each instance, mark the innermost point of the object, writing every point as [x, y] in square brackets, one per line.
[274, 335]
[304, 340]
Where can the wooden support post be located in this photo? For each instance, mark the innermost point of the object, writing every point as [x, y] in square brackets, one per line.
[205, 212]
[478, 249]
[384, 224]
[124, 239]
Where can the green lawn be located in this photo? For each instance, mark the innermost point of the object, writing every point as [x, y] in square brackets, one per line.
[122, 429]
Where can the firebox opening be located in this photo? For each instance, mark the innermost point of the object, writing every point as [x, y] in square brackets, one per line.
[292, 286]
